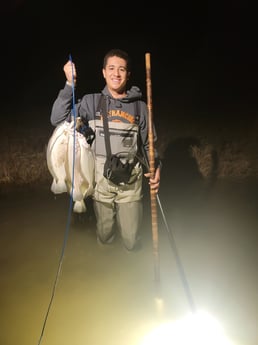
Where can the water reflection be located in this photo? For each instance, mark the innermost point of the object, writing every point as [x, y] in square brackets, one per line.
[108, 296]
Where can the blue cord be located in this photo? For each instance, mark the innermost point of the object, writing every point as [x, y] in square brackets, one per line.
[69, 213]
[74, 129]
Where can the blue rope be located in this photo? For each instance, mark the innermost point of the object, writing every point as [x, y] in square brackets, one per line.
[69, 213]
[74, 129]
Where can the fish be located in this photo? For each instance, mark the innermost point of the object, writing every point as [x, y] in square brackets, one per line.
[56, 157]
[71, 162]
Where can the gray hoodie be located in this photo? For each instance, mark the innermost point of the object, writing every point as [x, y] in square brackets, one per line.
[130, 109]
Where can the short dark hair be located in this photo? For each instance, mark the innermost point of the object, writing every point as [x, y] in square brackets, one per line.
[119, 53]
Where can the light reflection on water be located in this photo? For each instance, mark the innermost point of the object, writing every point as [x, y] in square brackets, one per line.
[107, 296]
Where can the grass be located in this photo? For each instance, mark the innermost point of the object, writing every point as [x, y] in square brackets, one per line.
[227, 149]
[23, 155]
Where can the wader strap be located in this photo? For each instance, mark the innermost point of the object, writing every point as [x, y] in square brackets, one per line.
[103, 105]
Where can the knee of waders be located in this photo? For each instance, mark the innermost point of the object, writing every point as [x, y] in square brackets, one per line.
[131, 245]
[105, 240]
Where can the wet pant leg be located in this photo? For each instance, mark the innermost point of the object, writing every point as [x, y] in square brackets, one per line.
[105, 218]
[129, 219]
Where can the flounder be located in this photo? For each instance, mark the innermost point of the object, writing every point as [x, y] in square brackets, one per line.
[71, 163]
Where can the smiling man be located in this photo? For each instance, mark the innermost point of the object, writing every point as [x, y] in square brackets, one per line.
[127, 115]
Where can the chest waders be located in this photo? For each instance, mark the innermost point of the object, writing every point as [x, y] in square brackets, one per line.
[113, 204]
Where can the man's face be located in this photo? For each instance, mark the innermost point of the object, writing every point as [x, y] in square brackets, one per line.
[116, 74]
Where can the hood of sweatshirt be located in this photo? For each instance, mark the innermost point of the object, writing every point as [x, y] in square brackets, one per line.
[132, 94]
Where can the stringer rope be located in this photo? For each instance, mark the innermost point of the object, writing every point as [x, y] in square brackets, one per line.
[69, 214]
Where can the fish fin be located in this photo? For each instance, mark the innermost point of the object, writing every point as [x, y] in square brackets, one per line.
[79, 206]
[58, 187]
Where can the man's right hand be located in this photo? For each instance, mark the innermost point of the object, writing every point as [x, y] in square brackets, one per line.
[70, 72]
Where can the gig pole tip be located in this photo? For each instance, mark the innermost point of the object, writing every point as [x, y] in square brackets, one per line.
[159, 301]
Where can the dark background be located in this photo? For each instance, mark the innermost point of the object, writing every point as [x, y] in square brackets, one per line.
[203, 54]
[204, 58]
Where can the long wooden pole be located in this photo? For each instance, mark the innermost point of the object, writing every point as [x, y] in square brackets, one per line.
[154, 216]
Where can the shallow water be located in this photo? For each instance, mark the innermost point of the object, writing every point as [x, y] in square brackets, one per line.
[106, 295]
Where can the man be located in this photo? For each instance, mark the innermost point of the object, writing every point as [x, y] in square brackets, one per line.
[114, 204]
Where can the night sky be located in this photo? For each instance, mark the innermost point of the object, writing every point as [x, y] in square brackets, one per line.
[204, 57]
[203, 54]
